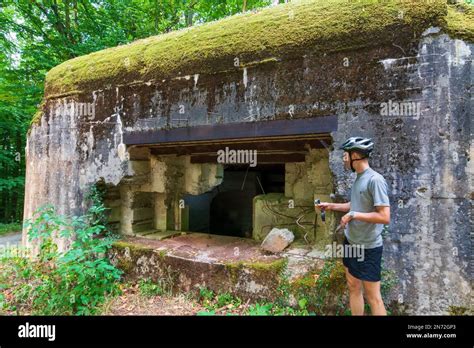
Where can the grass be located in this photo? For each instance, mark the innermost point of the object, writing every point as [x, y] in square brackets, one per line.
[10, 228]
[227, 304]
[161, 287]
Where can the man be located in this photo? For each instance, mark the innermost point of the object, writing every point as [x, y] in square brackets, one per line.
[367, 212]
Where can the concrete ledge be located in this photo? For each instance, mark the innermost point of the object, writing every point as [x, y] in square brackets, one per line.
[237, 266]
[219, 263]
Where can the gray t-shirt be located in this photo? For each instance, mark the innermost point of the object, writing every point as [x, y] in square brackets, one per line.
[368, 191]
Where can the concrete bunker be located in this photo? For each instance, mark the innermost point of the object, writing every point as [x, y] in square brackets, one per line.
[188, 188]
[307, 72]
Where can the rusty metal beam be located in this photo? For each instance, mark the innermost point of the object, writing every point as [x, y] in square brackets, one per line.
[294, 145]
[306, 126]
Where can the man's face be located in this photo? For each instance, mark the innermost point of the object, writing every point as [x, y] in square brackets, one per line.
[347, 160]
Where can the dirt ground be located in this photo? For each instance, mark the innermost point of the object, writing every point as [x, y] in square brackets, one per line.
[131, 302]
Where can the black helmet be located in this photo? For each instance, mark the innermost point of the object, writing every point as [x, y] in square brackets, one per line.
[359, 144]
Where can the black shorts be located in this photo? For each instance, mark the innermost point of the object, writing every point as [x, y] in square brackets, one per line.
[370, 268]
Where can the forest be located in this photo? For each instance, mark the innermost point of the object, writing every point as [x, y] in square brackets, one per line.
[38, 35]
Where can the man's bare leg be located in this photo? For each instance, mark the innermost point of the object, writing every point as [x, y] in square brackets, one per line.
[356, 300]
[374, 298]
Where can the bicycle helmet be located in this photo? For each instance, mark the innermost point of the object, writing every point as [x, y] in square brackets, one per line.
[358, 144]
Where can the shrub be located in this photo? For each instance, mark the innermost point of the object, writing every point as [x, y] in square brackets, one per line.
[77, 280]
[10, 228]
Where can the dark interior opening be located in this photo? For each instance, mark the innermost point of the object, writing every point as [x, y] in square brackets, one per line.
[227, 209]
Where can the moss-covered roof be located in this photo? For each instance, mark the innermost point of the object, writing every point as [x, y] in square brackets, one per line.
[460, 22]
[279, 31]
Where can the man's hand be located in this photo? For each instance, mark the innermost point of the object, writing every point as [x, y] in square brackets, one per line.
[345, 219]
[324, 206]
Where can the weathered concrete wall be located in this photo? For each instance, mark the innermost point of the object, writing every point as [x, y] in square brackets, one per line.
[426, 160]
[425, 156]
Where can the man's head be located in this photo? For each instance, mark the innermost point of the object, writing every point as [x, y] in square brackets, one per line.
[356, 149]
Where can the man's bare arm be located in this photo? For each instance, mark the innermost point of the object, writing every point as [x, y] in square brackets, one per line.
[380, 216]
[344, 207]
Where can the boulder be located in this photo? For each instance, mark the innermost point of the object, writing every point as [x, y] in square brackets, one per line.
[277, 240]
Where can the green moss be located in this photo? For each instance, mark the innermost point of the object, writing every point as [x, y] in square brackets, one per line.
[136, 251]
[285, 30]
[460, 22]
[323, 290]
[331, 277]
[307, 281]
[274, 267]
[38, 114]
[460, 310]
[36, 117]
[257, 62]
[125, 265]
[277, 265]
[121, 244]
